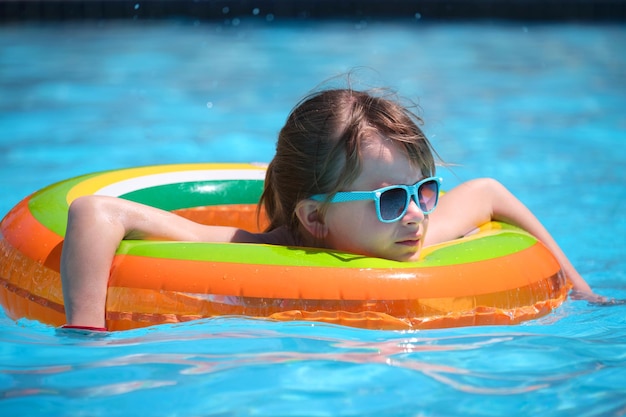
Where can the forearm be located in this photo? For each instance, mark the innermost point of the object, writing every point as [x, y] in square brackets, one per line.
[506, 207]
[91, 240]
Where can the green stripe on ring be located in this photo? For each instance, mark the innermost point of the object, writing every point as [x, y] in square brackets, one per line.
[49, 205]
[499, 243]
[198, 194]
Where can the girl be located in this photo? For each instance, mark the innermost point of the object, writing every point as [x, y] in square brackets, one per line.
[352, 172]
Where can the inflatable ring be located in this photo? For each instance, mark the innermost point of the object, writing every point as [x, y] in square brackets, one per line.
[499, 275]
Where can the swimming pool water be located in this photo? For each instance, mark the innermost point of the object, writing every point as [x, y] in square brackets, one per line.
[540, 107]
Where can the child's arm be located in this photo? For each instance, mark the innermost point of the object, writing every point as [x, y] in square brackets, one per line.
[96, 226]
[478, 201]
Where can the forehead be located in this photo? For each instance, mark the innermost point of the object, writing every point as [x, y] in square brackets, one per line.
[384, 163]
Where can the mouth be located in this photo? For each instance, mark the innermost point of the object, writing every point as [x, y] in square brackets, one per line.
[409, 242]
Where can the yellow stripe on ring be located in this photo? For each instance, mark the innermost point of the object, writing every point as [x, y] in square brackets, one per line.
[92, 185]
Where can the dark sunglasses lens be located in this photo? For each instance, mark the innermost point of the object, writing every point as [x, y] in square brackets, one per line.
[429, 195]
[392, 203]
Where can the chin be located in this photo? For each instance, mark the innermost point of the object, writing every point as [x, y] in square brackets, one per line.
[413, 258]
[406, 257]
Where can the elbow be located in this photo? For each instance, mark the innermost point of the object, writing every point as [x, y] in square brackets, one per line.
[489, 190]
[87, 207]
[495, 199]
[96, 214]
[488, 186]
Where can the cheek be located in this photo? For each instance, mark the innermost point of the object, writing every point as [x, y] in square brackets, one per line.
[354, 228]
[350, 217]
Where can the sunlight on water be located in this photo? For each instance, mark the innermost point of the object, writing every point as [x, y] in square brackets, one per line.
[231, 364]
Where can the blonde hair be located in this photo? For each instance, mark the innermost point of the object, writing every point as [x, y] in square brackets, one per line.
[319, 148]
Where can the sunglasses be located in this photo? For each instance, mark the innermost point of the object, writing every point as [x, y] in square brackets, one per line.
[392, 202]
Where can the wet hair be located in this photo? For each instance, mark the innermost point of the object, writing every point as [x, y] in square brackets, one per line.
[319, 148]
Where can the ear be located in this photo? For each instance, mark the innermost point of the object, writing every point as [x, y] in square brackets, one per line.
[310, 218]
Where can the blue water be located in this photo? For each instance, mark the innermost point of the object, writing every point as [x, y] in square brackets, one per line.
[540, 107]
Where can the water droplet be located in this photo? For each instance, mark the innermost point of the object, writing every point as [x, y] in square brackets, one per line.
[269, 17]
[256, 11]
[137, 6]
[209, 104]
[225, 10]
[418, 16]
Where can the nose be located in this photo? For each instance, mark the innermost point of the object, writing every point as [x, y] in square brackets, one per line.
[413, 213]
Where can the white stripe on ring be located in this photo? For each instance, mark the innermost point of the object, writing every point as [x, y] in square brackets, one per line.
[167, 178]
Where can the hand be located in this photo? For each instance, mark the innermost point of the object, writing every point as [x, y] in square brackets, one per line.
[595, 299]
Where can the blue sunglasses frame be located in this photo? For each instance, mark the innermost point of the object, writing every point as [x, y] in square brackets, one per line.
[411, 191]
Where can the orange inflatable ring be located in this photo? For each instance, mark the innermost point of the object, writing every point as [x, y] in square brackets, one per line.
[499, 275]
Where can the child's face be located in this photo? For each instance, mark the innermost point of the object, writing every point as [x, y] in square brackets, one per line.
[354, 226]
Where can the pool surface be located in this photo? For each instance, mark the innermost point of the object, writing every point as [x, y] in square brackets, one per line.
[538, 106]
